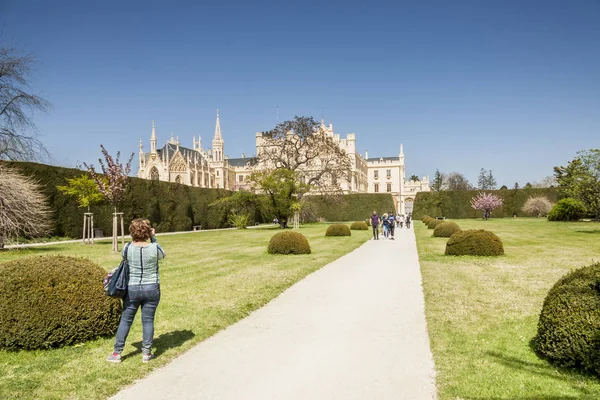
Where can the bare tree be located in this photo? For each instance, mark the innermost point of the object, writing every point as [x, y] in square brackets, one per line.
[456, 181]
[305, 147]
[538, 206]
[18, 139]
[23, 209]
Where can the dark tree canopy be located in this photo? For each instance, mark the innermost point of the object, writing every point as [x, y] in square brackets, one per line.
[18, 138]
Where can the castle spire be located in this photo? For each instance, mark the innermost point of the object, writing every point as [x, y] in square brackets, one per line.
[217, 143]
[218, 128]
[153, 139]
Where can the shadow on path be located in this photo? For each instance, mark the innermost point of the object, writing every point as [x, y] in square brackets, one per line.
[164, 342]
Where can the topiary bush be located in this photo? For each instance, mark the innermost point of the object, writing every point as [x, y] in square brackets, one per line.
[445, 229]
[569, 325]
[53, 301]
[288, 242]
[338, 230]
[359, 226]
[424, 217]
[474, 242]
[433, 223]
[567, 210]
[427, 220]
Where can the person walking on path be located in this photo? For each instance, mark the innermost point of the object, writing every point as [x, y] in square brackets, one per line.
[385, 222]
[392, 220]
[408, 221]
[143, 289]
[375, 225]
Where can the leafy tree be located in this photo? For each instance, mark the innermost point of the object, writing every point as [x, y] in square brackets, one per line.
[457, 181]
[486, 202]
[503, 187]
[528, 186]
[491, 181]
[283, 192]
[516, 187]
[438, 181]
[304, 147]
[538, 206]
[414, 178]
[23, 209]
[84, 189]
[580, 180]
[112, 184]
[486, 180]
[17, 129]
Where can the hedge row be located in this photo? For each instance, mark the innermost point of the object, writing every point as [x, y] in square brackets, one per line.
[169, 206]
[457, 203]
[351, 207]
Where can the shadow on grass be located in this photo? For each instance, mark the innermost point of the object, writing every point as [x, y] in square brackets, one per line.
[164, 342]
[546, 370]
[592, 232]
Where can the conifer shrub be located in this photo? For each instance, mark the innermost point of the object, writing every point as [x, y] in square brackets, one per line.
[446, 229]
[567, 210]
[54, 301]
[433, 223]
[338, 230]
[569, 326]
[359, 226]
[474, 242]
[288, 242]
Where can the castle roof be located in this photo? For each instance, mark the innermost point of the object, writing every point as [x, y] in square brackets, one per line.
[372, 159]
[242, 162]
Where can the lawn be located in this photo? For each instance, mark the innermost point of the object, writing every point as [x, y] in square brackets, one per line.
[209, 280]
[482, 312]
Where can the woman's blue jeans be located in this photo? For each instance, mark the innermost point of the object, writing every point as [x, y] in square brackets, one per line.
[146, 297]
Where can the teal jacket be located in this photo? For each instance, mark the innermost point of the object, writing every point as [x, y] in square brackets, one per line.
[143, 262]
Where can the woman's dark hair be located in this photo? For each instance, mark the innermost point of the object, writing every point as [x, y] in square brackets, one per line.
[140, 230]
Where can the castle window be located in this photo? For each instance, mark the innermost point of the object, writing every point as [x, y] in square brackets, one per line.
[389, 187]
[154, 174]
[217, 172]
[241, 178]
[388, 173]
[376, 174]
[178, 179]
[377, 188]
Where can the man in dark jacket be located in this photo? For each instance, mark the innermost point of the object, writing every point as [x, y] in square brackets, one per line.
[375, 225]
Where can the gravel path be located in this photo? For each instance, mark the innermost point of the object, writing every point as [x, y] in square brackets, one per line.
[354, 329]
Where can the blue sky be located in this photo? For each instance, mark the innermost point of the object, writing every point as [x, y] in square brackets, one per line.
[511, 86]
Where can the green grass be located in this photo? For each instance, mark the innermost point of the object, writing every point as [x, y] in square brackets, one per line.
[209, 280]
[482, 312]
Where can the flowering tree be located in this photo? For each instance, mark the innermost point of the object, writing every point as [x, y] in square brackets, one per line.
[487, 202]
[112, 183]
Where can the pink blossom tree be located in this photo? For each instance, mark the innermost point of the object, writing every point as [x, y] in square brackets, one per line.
[486, 202]
[112, 184]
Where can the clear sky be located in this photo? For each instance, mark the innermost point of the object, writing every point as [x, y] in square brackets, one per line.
[512, 85]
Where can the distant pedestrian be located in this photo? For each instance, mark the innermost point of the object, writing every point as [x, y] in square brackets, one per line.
[375, 225]
[408, 218]
[400, 220]
[385, 222]
[392, 219]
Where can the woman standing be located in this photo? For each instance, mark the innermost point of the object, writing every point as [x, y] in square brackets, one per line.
[143, 289]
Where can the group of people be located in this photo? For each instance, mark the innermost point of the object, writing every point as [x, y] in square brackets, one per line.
[388, 222]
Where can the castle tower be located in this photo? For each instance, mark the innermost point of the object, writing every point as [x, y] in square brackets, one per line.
[217, 143]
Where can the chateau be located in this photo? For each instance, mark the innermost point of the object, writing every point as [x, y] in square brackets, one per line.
[211, 168]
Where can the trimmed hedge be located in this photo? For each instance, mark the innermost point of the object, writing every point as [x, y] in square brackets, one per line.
[569, 325]
[456, 204]
[446, 229]
[350, 207]
[53, 301]
[338, 230]
[359, 226]
[288, 242]
[169, 206]
[474, 242]
[432, 223]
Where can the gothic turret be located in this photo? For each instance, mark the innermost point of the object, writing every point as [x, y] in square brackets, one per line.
[217, 143]
[153, 140]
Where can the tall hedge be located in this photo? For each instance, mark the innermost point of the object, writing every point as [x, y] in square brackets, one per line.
[457, 203]
[169, 206]
[351, 207]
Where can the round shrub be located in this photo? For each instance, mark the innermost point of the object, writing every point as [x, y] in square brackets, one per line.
[427, 220]
[338, 230]
[433, 223]
[474, 242]
[445, 229]
[569, 325]
[567, 210]
[359, 226]
[53, 301]
[424, 217]
[288, 242]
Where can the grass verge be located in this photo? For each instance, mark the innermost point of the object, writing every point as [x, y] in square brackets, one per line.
[482, 312]
[209, 280]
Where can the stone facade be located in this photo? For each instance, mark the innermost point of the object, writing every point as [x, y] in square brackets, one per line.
[211, 168]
